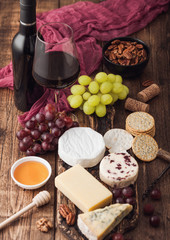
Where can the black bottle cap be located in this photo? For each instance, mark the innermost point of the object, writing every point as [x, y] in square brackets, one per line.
[28, 2]
[28, 11]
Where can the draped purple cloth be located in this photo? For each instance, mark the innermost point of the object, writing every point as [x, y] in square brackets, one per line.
[91, 22]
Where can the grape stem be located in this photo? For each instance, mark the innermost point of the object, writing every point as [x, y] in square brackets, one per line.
[148, 190]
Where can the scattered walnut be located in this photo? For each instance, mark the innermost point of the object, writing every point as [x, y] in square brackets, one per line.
[44, 225]
[66, 213]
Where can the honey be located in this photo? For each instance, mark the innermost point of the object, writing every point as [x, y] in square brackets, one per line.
[31, 173]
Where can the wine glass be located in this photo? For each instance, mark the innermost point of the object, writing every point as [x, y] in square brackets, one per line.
[55, 62]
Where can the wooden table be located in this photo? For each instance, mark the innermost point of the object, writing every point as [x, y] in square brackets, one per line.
[13, 198]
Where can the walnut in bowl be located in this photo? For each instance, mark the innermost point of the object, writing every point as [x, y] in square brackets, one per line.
[126, 56]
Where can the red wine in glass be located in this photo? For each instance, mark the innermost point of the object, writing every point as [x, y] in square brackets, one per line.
[56, 63]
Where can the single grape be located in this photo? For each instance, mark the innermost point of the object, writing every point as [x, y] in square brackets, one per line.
[76, 101]
[55, 141]
[69, 98]
[101, 77]
[75, 124]
[56, 131]
[93, 100]
[84, 80]
[131, 201]
[93, 87]
[120, 200]
[106, 87]
[52, 147]
[27, 141]
[148, 209]
[155, 194]
[68, 122]
[86, 96]
[122, 95]
[100, 110]
[154, 221]
[42, 127]
[23, 147]
[47, 137]
[50, 107]
[128, 192]
[28, 131]
[77, 89]
[106, 99]
[118, 79]
[114, 97]
[49, 116]
[126, 89]
[34, 120]
[87, 109]
[117, 192]
[60, 123]
[21, 134]
[35, 134]
[30, 152]
[117, 88]
[30, 124]
[117, 236]
[40, 117]
[45, 146]
[51, 124]
[111, 78]
[37, 148]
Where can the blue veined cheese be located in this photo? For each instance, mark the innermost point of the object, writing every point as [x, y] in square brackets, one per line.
[81, 145]
[97, 224]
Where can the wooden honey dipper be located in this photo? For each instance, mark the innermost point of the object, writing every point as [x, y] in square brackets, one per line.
[40, 199]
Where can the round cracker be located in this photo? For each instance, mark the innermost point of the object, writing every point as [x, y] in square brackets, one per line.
[140, 121]
[118, 140]
[145, 147]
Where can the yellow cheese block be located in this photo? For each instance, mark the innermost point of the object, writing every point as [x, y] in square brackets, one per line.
[97, 224]
[84, 190]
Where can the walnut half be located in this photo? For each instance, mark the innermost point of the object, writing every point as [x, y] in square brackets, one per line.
[44, 225]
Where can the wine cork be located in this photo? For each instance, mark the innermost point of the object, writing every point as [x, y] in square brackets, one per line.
[135, 105]
[148, 93]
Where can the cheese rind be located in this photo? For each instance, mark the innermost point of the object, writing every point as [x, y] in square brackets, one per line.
[81, 145]
[97, 224]
[84, 190]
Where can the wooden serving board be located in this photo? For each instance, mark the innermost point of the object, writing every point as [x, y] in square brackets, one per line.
[72, 232]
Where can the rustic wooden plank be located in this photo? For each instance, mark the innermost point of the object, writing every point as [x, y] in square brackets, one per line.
[156, 34]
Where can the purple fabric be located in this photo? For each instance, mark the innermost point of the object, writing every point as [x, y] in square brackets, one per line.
[91, 22]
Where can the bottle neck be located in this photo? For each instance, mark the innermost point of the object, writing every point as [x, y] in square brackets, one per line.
[27, 14]
[28, 29]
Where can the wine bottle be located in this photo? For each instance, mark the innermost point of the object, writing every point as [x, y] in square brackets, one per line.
[26, 90]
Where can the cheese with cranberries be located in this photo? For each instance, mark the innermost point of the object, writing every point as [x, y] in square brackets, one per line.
[118, 170]
[97, 224]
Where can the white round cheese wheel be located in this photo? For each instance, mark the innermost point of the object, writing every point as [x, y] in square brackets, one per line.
[118, 170]
[81, 145]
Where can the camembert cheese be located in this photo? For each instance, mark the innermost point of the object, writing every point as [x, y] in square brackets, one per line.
[84, 190]
[97, 224]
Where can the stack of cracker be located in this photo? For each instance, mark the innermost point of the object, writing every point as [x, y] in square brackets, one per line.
[140, 123]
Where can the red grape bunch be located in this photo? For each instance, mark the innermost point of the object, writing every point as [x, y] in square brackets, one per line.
[42, 131]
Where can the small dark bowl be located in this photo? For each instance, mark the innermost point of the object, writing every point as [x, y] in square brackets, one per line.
[126, 71]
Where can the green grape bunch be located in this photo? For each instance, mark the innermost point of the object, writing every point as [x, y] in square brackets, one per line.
[93, 95]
